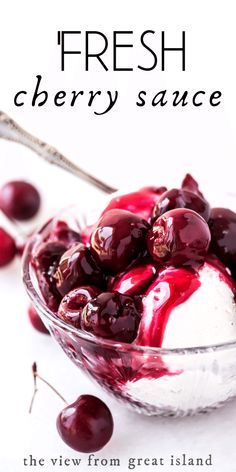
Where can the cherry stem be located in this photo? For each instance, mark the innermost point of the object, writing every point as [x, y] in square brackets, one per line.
[36, 375]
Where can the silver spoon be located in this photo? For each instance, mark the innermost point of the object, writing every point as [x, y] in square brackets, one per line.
[11, 131]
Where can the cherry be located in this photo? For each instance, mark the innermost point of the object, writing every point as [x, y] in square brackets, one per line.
[86, 234]
[182, 198]
[179, 237]
[135, 281]
[45, 260]
[140, 203]
[63, 233]
[36, 320]
[77, 267]
[47, 255]
[118, 239]
[222, 225]
[72, 304]
[7, 248]
[86, 425]
[19, 200]
[112, 315]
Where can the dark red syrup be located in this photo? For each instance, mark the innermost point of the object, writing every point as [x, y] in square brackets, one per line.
[170, 289]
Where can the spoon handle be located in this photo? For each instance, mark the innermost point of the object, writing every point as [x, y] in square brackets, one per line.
[11, 131]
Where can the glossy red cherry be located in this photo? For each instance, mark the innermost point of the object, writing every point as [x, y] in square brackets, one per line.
[47, 255]
[119, 238]
[63, 233]
[45, 261]
[86, 234]
[77, 267]
[19, 200]
[135, 281]
[72, 304]
[112, 315]
[181, 198]
[36, 320]
[140, 202]
[222, 225]
[86, 425]
[179, 237]
[7, 248]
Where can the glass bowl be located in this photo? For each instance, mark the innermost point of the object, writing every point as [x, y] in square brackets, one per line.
[153, 381]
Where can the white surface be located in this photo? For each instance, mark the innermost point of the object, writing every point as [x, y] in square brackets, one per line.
[154, 142]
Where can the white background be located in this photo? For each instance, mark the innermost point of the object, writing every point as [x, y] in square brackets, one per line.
[128, 144]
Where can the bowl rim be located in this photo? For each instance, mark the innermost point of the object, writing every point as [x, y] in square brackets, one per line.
[42, 307]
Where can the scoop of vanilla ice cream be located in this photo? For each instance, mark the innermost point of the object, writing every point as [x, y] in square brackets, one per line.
[183, 308]
[196, 382]
[208, 316]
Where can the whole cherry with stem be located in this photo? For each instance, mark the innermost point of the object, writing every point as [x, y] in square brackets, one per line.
[85, 425]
